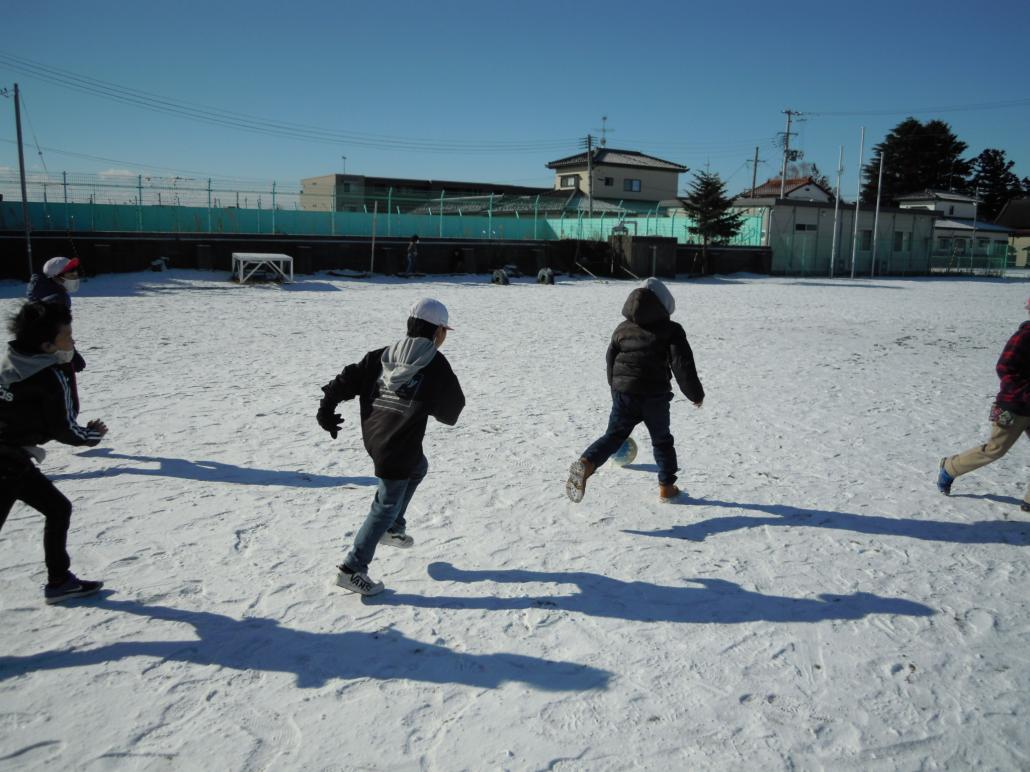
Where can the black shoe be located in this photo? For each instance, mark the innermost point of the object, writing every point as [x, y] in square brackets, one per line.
[71, 587]
[1025, 506]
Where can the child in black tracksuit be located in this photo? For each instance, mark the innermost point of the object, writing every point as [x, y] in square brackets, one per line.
[39, 404]
[645, 352]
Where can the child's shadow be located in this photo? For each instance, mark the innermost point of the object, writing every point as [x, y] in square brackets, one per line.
[700, 601]
[209, 471]
[314, 658]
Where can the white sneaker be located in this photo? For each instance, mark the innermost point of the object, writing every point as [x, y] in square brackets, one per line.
[395, 539]
[358, 582]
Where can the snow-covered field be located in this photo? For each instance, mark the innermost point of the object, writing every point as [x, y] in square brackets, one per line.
[814, 604]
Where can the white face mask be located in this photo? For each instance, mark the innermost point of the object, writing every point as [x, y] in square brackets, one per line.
[71, 284]
[64, 357]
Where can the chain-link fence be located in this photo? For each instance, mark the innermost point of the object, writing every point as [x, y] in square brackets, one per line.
[120, 201]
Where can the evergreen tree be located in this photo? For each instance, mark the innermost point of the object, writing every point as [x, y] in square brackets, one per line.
[709, 207]
[994, 183]
[920, 156]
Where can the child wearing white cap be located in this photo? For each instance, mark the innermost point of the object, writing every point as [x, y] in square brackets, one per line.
[399, 387]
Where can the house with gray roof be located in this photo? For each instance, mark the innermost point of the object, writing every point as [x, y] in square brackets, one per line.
[957, 233]
[618, 175]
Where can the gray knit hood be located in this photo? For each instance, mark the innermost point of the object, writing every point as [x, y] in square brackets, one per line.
[16, 367]
[403, 360]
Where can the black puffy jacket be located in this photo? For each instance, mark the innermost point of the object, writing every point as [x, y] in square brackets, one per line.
[648, 349]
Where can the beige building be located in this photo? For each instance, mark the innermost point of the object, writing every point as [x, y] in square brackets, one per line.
[618, 175]
[957, 232]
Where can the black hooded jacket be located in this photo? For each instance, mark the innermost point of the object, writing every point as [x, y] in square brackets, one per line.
[393, 423]
[648, 349]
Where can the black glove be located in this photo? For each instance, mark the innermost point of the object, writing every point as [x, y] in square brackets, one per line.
[329, 421]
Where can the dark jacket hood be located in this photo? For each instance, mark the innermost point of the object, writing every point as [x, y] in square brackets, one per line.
[643, 307]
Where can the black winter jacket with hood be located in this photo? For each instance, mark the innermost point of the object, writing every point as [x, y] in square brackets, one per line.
[38, 403]
[649, 348]
[398, 387]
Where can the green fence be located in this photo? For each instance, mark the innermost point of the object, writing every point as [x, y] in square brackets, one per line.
[159, 218]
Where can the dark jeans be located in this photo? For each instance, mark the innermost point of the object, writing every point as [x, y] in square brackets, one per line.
[628, 410]
[24, 482]
[387, 514]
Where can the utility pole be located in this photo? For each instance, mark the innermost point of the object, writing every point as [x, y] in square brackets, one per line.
[876, 217]
[836, 211]
[590, 177]
[858, 201]
[21, 168]
[786, 150]
[754, 172]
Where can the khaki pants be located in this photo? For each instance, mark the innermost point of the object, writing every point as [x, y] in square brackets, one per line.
[1002, 438]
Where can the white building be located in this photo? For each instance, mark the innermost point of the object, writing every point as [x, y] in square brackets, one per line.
[957, 233]
[618, 175]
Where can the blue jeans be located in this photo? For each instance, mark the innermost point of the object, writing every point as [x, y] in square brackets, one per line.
[387, 514]
[628, 410]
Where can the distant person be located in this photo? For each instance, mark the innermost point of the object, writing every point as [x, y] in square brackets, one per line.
[645, 352]
[60, 276]
[399, 387]
[545, 276]
[500, 276]
[37, 404]
[1010, 414]
[412, 256]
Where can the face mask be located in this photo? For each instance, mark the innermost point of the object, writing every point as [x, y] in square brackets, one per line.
[71, 284]
[64, 357]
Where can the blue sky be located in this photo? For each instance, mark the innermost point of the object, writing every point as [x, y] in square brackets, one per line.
[492, 91]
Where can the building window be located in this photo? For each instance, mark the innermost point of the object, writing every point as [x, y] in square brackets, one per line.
[951, 210]
[902, 241]
[569, 180]
[804, 227]
[983, 243]
[631, 186]
[346, 187]
[609, 181]
[865, 240]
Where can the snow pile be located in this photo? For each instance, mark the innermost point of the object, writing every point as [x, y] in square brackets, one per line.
[814, 604]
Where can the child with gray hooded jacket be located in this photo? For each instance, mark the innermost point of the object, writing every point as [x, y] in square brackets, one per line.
[37, 405]
[399, 387]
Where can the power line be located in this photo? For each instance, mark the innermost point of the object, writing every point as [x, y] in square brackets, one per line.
[1023, 102]
[241, 121]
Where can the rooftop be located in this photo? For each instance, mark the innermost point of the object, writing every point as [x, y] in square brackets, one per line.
[611, 157]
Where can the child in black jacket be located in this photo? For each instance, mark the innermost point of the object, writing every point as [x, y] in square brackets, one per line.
[646, 351]
[38, 404]
[399, 388]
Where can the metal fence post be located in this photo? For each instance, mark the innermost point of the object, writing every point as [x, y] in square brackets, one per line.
[273, 207]
[389, 211]
[490, 218]
[441, 214]
[139, 200]
[536, 213]
[208, 204]
[64, 179]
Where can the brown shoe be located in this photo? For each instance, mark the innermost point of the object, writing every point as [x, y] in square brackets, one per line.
[668, 492]
[576, 485]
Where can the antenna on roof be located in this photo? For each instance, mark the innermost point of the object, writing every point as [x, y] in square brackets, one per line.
[604, 130]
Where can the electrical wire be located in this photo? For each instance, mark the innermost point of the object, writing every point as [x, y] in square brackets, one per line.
[241, 121]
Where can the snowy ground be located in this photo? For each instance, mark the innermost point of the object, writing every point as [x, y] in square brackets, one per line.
[814, 604]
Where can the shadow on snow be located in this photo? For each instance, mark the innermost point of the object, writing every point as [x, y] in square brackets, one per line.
[706, 601]
[984, 532]
[256, 643]
[210, 471]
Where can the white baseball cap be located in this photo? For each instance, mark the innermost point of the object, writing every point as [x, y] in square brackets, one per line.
[432, 311]
[56, 266]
